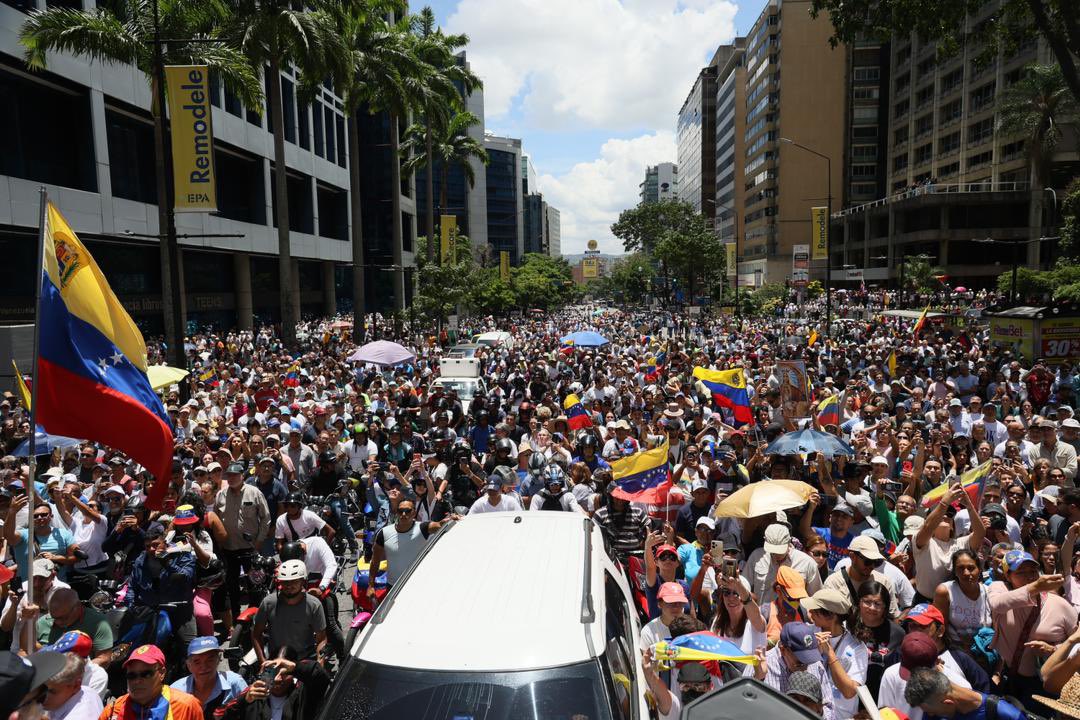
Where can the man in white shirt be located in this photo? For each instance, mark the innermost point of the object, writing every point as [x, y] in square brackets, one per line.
[297, 522]
[960, 420]
[995, 429]
[66, 697]
[917, 650]
[761, 566]
[360, 449]
[493, 500]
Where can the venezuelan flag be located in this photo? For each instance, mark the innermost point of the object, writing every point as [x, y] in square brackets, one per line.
[920, 323]
[292, 375]
[829, 411]
[654, 367]
[20, 382]
[643, 476]
[208, 376]
[576, 416]
[91, 370]
[972, 481]
[728, 388]
[701, 646]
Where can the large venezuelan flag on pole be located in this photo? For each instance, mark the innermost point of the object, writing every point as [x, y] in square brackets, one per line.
[91, 376]
[728, 388]
[643, 476]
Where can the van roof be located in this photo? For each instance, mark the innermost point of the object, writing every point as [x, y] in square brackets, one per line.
[498, 592]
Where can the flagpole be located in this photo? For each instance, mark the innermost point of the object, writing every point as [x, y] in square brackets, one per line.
[31, 488]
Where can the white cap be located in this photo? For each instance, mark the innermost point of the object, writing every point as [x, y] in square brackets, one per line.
[879, 460]
[777, 539]
[866, 547]
[699, 485]
[706, 521]
[913, 524]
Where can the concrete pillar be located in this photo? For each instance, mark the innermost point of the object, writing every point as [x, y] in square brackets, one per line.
[296, 287]
[329, 288]
[868, 225]
[245, 309]
[183, 289]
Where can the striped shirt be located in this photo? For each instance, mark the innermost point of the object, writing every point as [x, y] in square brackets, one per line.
[626, 530]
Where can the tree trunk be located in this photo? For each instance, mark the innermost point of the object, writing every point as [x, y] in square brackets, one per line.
[429, 181]
[444, 180]
[395, 222]
[357, 233]
[281, 197]
[168, 247]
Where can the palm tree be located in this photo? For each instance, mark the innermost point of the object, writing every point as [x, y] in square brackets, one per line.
[272, 33]
[124, 32]
[450, 144]
[437, 50]
[1035, 108]
[369, 76]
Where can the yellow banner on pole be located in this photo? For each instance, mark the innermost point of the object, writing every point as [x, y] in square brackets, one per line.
[732, 262]
[448, 226]
[192, 138]
[504, 265]
[819, 234]
[590, 268]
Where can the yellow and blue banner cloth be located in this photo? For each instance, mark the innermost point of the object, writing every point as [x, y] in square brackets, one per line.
[702, 646]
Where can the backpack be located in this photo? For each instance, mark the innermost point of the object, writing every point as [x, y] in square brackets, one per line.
[992, 708]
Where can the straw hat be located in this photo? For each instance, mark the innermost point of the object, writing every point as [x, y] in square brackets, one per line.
[1069, 704]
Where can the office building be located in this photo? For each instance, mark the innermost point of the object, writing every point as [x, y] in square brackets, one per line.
[957, 189]
[553, 230]
[505, 211]
[534, 223]
[661, 183]
[467, 204]
[730, 146]
[867, 131]
[806, 105]
[695, 136]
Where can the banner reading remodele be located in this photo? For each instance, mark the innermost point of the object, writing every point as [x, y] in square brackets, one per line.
[819, 233]
[192, 138]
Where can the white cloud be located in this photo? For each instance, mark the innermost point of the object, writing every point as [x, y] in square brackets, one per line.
[601, 63]
[591, 194]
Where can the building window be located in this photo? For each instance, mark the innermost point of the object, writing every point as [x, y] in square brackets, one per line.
[864, 133]
[949, 143]
[901, 108]
[903, 81]
[865, 115]
[980, 131]
[924, 95]
[900, 135]
[950, 169]
[863, 171]
[899, 162]
[866, 93]
[950, 112]
[924, 124]
[867, 74]
[982, 96]
[979, 160]
[131, 156]
[952, 80]
[864, 152]
[924, 153]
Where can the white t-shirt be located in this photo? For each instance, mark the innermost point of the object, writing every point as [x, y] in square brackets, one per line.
[891, 692]
[95, 678]
[653, 632]
[89, 536]
[306, 525]
[507, 503]
[855, 659]
[85, 703]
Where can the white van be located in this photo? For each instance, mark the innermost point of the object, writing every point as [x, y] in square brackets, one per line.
[504, 616]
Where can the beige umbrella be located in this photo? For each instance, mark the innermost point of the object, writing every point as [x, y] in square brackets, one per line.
[164, 375]
[764, 498]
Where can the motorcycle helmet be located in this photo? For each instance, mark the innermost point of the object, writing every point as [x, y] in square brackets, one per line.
[504, 444]
[293, 498]
[588, 440]
[327, 458]
[554, 476]
[292, 570]
[537, 463]
[291, 551]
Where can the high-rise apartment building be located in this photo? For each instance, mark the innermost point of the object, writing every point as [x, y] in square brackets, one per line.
[867, 127]
[804, 104]
[730, 143]
[505, 211]
[695, 135]
[661, 183]
[553, 229]
[535, 219]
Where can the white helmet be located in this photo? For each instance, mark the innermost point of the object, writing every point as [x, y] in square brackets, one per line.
[292, 570]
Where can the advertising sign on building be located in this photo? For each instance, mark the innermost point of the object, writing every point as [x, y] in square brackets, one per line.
[504, 265]
[732, 262]
[800, 265]
[1059, 339]
[192, 138]
[819, 224]
[590, 267]
[1017, 334]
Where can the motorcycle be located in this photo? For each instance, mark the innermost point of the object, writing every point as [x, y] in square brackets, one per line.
[364, 606]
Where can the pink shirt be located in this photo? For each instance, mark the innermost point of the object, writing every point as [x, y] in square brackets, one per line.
[1010, 611]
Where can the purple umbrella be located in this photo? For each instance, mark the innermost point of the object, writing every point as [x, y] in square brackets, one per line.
[382, 352]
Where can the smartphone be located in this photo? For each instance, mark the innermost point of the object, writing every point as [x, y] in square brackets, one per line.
[416, 457]
[907, 466]
[731, 568]
[268, 675]
[717, 551]
[656, 525]
[384, 466]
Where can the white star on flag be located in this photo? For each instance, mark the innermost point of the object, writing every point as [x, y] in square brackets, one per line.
[117, 357]
[104, 365]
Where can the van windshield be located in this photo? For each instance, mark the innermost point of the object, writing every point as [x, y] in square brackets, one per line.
[369, 691]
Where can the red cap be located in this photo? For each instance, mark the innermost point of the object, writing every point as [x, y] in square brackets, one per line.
[671, 592]
[917, 650]
[661, 549]
[924, 614]
[149, 654]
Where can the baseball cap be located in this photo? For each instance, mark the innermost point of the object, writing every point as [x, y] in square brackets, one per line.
[828, 599]
[201, 645]
[19, 675]
[213, 466]
[913, 524]
[993, 509]
[917, 650]
[118, 489]
[879, 460]
[671, 592]
[236, 468]
[862, 503]
[1015, 558]
[789, 578]
[43, 567]
[494, 482]
[777, 539]
[875, 535]
[805, 685]
[661, 549]
[866, 547]
[73, 641]
[706, 521]
[699, 485]
[843, 507]
[798, 637]
[693, 672]
[955, 402]
[1070, 423]
[149, 654]
[924, 614]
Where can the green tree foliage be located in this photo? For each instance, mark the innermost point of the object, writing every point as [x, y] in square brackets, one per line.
[1060, 284]
[763, 300]
[1035, 108]
[488, 293]
[542, 282]
[441, 288]
[451, 145]
[1069, 245]
[643, 227]
[920, 275]
[1007, 25]
[629, 279]
[692, 252]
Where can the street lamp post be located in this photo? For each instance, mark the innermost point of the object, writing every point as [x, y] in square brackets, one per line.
[828, 232]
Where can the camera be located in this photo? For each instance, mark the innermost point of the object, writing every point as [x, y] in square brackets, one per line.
[268, 675]
[384, 466]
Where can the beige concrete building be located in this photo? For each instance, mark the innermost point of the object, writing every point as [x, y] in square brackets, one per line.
[795, 89]
[730, 144]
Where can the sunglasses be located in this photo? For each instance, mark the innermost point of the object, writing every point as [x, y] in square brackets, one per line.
[141, 675]
[820, 553]
[406, 511]
[41, 516]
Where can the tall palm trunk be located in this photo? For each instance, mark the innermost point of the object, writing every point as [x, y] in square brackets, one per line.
[430, 182]
[395, 208]
[281, 197]
[169, 251]
[357, 231]
[444, 180]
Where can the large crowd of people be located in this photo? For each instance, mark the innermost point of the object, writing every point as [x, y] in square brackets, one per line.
[931, 571]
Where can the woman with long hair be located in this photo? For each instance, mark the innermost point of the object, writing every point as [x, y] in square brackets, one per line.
[738, 617]
[962, 600]
[870, 623]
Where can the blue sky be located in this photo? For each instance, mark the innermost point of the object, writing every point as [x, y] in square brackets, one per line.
[592, 88]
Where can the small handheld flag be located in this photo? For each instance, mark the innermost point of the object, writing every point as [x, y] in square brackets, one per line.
[972, 482]
[20, 382]
[920, 323]
[700, 646]
[829, 411]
